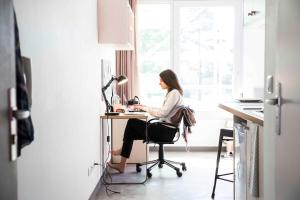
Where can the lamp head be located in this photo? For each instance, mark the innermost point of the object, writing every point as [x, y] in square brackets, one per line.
[121, 79]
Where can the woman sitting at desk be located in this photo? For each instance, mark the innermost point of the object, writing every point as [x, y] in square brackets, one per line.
[135, 128]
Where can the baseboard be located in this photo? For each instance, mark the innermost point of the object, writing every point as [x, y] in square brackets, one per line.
[183, 148]
[95, 191]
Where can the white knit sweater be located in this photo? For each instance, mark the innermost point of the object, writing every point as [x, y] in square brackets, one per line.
[172, 100]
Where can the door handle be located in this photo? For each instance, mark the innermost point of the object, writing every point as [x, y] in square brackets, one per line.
[21, 114]
[273, 101]
[277, 101]
[13, 116]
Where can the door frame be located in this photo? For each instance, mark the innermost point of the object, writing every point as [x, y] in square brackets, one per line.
[8, 169]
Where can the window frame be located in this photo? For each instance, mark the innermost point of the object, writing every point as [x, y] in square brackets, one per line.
[174, 21]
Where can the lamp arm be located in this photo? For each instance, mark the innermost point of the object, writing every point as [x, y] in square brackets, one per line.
[108, 106]
[108, 84]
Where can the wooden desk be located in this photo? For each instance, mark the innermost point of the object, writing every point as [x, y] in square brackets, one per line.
[117, 124]
[141, 115]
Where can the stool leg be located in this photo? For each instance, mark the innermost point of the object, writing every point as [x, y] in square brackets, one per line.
[217, 164]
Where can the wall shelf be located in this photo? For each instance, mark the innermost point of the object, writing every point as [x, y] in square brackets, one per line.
[116, 24]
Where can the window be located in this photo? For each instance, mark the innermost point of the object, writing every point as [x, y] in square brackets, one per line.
[199, 41]
[154, 49]
[204, 39]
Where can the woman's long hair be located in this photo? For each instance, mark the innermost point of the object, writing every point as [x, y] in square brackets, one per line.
[170, 78]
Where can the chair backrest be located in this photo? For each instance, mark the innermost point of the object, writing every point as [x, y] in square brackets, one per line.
[179, 114]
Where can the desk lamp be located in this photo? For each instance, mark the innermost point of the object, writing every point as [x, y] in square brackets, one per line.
[121, 80]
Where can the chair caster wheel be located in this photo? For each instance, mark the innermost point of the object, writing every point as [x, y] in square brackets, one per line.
[138, 168]
[149, 174]
[160, 165]
[179, 174]
[212, 196]
[183, 167]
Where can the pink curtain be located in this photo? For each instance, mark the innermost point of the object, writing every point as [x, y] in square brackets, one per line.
[126, 64]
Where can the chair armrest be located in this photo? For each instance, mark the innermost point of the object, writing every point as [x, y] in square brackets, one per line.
[169, 125]
[153, 119]
[156, 120]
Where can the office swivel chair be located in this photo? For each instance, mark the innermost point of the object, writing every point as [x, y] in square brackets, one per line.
[161, 142]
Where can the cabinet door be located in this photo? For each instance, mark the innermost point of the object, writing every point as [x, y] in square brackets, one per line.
[115, 24]
[240, 162]
[252, 160]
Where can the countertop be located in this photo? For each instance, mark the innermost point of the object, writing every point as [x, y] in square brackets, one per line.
[248, 111]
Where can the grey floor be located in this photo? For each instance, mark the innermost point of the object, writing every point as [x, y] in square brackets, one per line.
[196, 182]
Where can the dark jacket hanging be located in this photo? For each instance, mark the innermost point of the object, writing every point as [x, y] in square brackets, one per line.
[25, 127]
[187, 114]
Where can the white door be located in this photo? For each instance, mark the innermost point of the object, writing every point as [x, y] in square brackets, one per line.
[282, 159]
[8, 171]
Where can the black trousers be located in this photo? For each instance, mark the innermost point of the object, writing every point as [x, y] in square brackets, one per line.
[136, 130]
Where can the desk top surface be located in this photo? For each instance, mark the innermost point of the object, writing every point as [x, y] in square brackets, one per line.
[126, 116]
[241, 110]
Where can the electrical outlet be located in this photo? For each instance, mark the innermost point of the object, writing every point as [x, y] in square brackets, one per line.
[92, 167]
[90, 170]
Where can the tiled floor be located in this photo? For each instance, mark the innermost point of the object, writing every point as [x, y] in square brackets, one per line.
[195, 184]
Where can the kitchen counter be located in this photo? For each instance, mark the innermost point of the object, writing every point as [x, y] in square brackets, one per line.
[248, 159]
[248, 111]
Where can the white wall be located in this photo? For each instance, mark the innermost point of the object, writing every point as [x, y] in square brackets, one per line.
[253, 61]
[60, 36]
